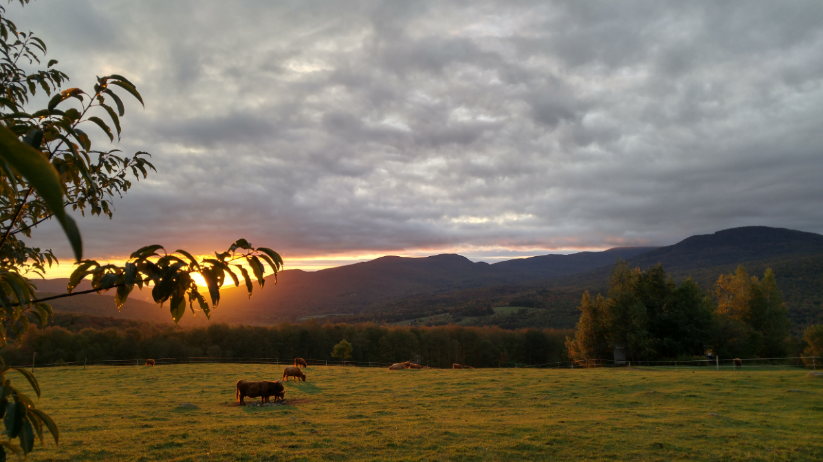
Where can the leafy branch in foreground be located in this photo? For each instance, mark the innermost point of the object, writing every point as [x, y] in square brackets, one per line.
[171, 275]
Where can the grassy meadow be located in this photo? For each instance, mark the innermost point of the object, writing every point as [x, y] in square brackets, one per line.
[347, 413]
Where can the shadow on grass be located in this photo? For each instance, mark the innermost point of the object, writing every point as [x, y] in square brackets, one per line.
[280, 408]
[308, 388]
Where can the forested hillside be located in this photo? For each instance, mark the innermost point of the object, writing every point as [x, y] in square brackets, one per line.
[447, 289]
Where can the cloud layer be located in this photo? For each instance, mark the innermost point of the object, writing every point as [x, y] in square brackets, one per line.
[329, 128]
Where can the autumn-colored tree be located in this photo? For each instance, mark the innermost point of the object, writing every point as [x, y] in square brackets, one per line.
[751, 314]
[590, 336]
[342, 350]
[813, 336]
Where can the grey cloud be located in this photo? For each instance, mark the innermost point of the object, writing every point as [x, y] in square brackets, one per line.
[322, 128]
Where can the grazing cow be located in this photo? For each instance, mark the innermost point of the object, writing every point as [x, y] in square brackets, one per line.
[738, 363]
[300, 362]
[456, 366]
[415, 366]
[149, 362]
[264, 390]
[399, 366]
[293, 371]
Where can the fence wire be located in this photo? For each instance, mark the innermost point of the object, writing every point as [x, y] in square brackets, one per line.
[788, 363]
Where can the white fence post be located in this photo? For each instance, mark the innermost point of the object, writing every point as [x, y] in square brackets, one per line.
[717, 362]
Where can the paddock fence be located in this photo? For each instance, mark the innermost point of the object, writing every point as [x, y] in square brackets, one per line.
[718, 364]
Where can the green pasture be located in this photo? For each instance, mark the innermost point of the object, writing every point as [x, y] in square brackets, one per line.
[467, 320]
[347, 413]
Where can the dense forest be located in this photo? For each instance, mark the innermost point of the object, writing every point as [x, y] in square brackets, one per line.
[647, 315]
[79, 339]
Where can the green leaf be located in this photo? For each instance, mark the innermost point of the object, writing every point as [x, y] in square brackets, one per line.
[114, 119]
[178, 307]
[32, 381]
[38, 426]
[120, 77]
[190, 257]
[268, 260]
[34, 138]
[55, 100]
[39, 172]
[109, 280]
[27, 436]
[15, 415]
[102, 125]
[120, 108]
[121, 295]
[79, 273]
[55, 432]
[147, 251]
[274, 256]
[211, 282]
[195, 295]
[21, 397]
[129, 88]
[258, 270]
[249, 285]
[52, 62]
[224, 267]
[240, 244]
[130, 274]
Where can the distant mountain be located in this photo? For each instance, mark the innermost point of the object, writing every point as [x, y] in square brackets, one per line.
[352, 288]
[732, 247]
[393, 289]
[796, 257]
[551, 266]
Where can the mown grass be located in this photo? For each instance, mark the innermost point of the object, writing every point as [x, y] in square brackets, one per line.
[347, 413]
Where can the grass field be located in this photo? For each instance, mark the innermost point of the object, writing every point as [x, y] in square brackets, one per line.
[464, 321]
[346, 413]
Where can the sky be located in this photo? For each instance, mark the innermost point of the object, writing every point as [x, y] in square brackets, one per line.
[336, 132]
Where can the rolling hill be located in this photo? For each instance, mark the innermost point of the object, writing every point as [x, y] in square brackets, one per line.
[394, 289]
[352, 288]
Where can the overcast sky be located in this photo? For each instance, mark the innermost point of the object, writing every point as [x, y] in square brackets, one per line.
[348, 130]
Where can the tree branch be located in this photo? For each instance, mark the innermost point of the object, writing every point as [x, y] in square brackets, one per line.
[82, 292]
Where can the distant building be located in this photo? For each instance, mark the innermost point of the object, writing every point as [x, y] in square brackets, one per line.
[619, 354]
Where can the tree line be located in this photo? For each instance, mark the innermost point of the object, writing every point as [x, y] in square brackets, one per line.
[439, 346]
[650, 317]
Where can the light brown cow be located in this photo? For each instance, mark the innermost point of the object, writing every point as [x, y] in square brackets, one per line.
[415, 366]
[149, 362]
[456, 366]
[292, 371]
[300, 362]
[399, 366]
[738, 363]
[264, 390]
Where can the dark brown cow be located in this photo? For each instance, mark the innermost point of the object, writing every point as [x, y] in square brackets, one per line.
[264, 390]
[149, 362]
[456, 366]
[293, 371]
[300, 362]
[738, 363]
